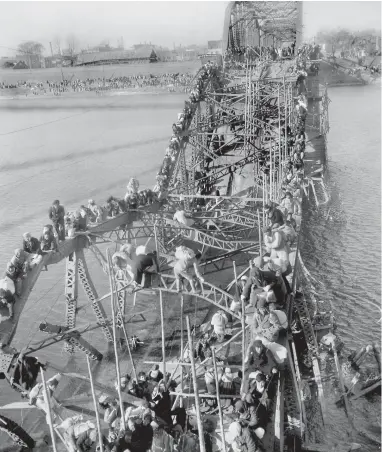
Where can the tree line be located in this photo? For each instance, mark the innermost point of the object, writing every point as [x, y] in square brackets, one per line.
[343, 39]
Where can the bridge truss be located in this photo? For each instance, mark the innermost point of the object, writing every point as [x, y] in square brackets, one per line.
[226, 159]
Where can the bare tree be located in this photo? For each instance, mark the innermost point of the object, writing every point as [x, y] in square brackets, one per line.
[57, 45]
[31, 47]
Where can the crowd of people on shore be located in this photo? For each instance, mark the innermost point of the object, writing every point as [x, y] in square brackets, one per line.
[171, 81]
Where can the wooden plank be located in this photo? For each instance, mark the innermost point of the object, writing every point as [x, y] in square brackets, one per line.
[365, 391]
[341, 447]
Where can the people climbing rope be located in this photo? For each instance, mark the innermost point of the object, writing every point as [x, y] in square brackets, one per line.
[56, 215]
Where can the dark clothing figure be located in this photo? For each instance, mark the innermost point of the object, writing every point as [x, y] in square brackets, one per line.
[24, 371]
[142, 264]
[259, 356]
[83, 442]
[32, 246]
[260, 278]
[48, 243]
[7, 298]
[252, 415]
[181, 416]
[275, 216]
[141, 390]
[80, 223]
[141, 438]
[162, 407]
[56, 215]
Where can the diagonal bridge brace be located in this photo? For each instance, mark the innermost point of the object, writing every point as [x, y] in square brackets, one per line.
[209, 293]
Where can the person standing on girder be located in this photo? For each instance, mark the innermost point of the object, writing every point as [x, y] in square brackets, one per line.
[56, 215]
[142, 262]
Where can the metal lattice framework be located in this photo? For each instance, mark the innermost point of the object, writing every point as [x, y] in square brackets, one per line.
[92, 295]
[252, 25]
[71, 294]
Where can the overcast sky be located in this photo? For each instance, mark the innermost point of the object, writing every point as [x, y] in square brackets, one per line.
[162, 23]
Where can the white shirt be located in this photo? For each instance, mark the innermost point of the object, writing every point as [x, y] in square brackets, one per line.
[180, 216]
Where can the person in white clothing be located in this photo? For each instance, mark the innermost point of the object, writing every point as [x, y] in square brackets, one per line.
[36, 396]
[180, 217]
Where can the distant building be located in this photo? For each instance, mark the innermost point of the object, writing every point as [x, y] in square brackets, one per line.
[33, 61]
[165, 55]
[140, 55]
[54, 61]
[21, 65]
[7, 62]
[214, 47]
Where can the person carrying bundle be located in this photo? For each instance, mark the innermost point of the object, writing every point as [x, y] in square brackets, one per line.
[276, 242]
[79, 435]
[186, 266]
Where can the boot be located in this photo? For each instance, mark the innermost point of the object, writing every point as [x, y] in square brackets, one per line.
[193, 288]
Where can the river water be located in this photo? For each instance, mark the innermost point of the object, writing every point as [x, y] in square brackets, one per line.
[73, 149]
[342, 246]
